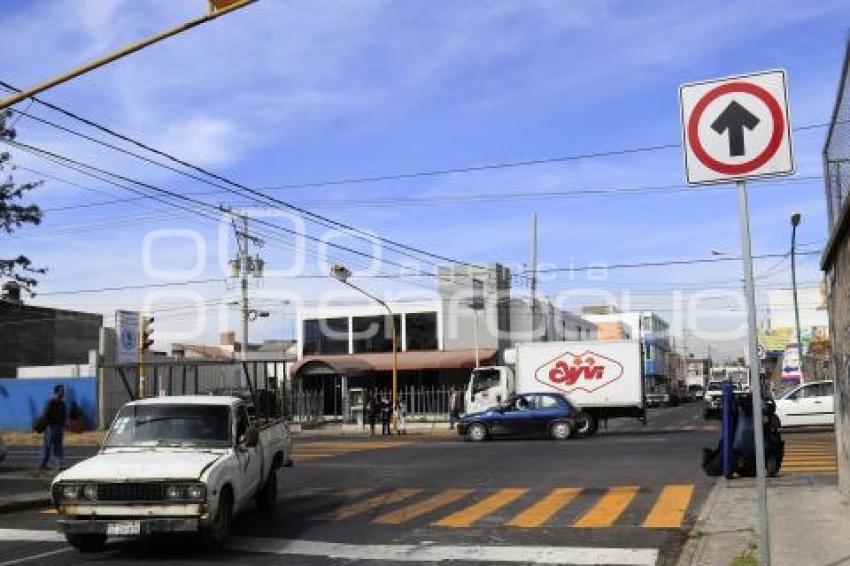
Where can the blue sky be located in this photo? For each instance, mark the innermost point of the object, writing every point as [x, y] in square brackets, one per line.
[286, 93]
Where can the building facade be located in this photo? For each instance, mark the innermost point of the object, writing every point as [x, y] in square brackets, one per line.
[41, 336]
[835, 262]
[653, 332]
[471, 322]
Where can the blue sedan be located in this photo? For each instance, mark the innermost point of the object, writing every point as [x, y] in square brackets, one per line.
[549, 415]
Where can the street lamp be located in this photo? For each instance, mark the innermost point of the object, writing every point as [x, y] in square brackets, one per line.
[795, 221]
[342, 274]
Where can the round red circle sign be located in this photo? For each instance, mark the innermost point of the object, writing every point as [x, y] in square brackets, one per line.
[754, 163]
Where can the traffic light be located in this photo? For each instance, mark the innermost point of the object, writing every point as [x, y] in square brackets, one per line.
[146, 333]
[219, 5]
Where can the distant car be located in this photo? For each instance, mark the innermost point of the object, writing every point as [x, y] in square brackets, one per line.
[808, 404]
[713, 397]
[548, 415]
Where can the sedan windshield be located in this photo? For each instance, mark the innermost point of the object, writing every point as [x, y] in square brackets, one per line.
[171, 425]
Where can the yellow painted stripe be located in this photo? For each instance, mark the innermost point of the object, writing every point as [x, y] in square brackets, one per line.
[546, 508]
[376, 502]
[423, 507]
[809, 467]
[472, 514]
[609, 508]
[50, 511]
[670, 507]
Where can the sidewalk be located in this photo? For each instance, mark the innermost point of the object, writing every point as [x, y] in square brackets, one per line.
[440, 429]
[809, 524]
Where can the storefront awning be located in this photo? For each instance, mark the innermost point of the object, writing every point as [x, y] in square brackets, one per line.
[355, 365]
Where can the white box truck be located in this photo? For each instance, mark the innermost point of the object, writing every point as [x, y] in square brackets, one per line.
[603, 378]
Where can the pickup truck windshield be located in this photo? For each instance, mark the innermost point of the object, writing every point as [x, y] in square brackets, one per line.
[205, 426]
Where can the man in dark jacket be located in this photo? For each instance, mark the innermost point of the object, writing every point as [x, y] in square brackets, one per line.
[386, 416]
[55, 416]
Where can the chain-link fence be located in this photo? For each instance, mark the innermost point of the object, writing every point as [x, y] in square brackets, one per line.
[837, 150]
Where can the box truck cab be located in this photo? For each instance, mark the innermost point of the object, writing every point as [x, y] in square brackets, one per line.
[603, 378]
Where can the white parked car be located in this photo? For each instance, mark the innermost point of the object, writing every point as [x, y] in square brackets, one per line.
[808, 404]
[173, 464]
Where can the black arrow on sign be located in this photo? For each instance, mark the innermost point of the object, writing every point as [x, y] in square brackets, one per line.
[735, 118]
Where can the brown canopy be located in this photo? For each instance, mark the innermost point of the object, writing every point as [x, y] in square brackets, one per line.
[353, 365]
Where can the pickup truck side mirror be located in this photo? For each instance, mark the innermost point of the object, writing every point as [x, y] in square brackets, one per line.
[252, 437]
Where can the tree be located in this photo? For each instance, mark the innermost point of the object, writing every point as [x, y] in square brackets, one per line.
[15, 214]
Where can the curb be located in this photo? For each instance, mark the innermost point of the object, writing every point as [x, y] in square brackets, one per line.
[693, 547]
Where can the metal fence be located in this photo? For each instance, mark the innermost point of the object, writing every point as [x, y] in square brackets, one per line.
[837, 149]
[423, 403]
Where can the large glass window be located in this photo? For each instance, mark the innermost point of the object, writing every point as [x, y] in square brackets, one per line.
[421, 328]
[326, 336]
[374, 333]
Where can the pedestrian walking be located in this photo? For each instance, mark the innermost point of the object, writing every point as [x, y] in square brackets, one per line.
[372, 412]
[53, 420]
[401, 417]
[386, 416]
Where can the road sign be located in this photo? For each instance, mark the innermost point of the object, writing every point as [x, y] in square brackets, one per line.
[762, 352]
[736, 128]
[127, 334]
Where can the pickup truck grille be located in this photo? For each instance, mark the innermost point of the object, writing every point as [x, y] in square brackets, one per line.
[129, 492]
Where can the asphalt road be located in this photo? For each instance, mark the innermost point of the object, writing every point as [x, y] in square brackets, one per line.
[628, 495]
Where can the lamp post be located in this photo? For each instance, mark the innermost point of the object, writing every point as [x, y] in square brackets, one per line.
[342, 274]
[795, 221]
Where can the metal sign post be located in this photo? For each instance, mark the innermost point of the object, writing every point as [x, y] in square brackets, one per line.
[734, 129]
[755, 379]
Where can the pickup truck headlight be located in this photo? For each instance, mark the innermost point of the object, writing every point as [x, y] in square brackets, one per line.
[185, 492]
[90, 492]
[70, 491]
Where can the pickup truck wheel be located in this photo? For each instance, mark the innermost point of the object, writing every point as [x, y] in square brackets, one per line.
[586, 425]
[267, 496]
[215, 534]
[561, 430]
[477, 432]
[87, 543]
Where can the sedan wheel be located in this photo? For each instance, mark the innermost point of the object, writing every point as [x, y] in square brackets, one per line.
[561, 430]
[477, 432]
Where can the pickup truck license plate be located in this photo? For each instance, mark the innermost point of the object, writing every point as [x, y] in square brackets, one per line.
[124, 528]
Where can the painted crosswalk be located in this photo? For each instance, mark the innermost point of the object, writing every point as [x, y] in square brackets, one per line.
[809, 456]
[310, 451]
[664, 507]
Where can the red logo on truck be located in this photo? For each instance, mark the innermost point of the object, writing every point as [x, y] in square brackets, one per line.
[587, 370]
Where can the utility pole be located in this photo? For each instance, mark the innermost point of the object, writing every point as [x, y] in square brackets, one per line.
[242, 267]
[534, 278]
[244, 260]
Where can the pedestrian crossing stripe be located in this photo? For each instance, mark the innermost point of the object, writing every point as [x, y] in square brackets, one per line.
[809, 457]
[409, 512]
[321, 450]
[376, 502]
[539, 513]
[470, 515]
[608, 508]
[670, 507]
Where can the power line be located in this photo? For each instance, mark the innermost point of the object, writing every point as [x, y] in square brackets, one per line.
[327, 222]
[666, 263]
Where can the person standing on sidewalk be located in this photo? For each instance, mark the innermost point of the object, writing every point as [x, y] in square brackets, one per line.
[54, 417]
[373, 412]
[454, 412]
[386, 416]
[401, 417]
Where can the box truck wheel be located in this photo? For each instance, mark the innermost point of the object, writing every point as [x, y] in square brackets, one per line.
[587, 424]
[561, 430]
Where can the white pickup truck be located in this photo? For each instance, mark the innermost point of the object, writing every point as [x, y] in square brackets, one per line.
[173, 464]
